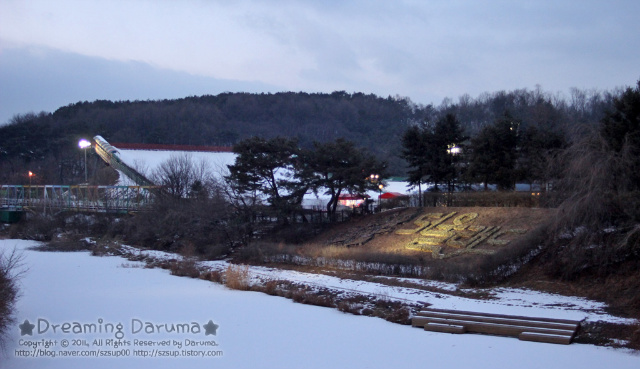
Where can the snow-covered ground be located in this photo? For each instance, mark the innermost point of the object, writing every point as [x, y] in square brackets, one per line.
[78, 293]
[146, 161]
[504, 300]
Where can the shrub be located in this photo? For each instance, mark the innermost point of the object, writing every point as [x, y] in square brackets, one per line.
[212, 276]
[105, 248]
[187, 266]
[184, 268]
[38, 227]
[400, 315]
[204, 223]
[11, 269]
[271, 287]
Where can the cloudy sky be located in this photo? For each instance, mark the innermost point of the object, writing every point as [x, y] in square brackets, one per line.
[53, 53]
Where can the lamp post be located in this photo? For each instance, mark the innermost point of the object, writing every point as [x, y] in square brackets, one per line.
[84, 144]
[375, 179]
[30, 175]
[453, 150]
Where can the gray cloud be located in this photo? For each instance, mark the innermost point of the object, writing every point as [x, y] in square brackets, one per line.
[426, 50]
[40, 79]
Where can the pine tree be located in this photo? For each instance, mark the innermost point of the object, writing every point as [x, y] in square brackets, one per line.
[445, 147]
[432, 152]
[340, 167]
[538, 146]
[494, 152]
[267, 167]
[414, 152]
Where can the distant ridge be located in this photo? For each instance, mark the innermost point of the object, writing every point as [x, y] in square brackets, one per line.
[141, 146]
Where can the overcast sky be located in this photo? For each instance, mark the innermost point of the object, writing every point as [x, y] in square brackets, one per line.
[53, 53]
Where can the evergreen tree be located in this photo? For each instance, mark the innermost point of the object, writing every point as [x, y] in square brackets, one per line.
[432, 152]
[621, 130]
[340, 167]
[494, 153]
[414, 152]
[445, 146]
[538, 146]
[267, 167]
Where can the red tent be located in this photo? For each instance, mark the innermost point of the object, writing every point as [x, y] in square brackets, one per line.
[391, 195]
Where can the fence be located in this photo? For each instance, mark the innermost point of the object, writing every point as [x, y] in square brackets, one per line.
[482, 199]
[315, 215]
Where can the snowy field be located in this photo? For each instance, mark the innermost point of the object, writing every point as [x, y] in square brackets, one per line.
[77, 294]
[146, 161]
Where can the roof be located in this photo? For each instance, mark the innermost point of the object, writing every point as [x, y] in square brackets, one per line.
[143, 146]
[392, 195]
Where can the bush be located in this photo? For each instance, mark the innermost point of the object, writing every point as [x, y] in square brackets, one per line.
[72, 225]
[176, 223]
[485, 199]
[10, 271]
[187, 266]
[212, 276]
[37, 227]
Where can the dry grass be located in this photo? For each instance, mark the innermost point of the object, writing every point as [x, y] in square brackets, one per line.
[237, 277]
[385, 253]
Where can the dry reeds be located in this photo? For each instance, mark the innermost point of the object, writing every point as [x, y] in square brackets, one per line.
[237, 277]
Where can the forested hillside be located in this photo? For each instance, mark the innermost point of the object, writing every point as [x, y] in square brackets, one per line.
[47, 142]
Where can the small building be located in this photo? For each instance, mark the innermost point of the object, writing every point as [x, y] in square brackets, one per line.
[351, 200]
[393, 199]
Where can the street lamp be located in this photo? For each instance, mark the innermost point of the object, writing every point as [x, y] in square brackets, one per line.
[375, 179]
[84, 144]
[30, 175]
[454, 149]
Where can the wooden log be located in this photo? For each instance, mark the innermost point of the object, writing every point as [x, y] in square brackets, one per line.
[445, 328]
[565, 321]
[498, 329]
[535, 329]
[419, 321]
[546, 338]
[503, 319]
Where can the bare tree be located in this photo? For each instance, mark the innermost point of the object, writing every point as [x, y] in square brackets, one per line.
[11, 270]
[184, 177]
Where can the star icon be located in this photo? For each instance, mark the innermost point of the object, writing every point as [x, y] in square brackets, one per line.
[210, 328]
[26, 328]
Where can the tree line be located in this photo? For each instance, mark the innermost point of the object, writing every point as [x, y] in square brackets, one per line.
[441, 154]
[46, 143]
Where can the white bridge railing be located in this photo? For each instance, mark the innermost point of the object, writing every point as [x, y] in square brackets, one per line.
[80, 198]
